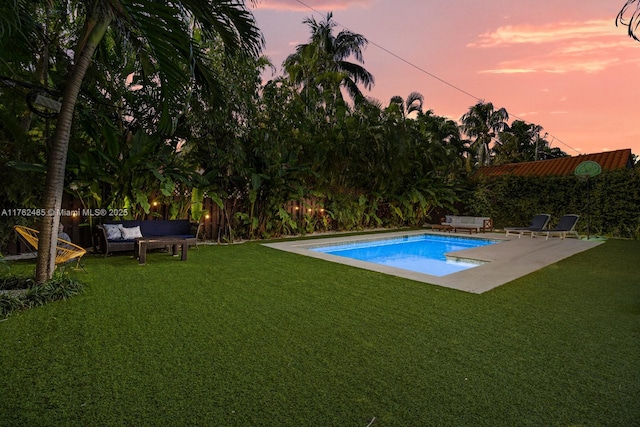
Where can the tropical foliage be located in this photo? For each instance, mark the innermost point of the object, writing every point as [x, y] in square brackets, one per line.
[154, 122]
[19, 292]
[483, 123]
[167, 40]
[521, 143]
[323, 62]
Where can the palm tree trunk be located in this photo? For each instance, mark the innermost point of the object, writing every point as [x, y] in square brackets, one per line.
[56, 164]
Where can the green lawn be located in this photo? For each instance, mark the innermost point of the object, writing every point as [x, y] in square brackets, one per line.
[244, 335]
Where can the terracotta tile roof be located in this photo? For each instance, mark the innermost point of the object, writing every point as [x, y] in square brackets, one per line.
[564, 166]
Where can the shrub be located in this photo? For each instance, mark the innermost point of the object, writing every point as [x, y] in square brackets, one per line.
[4, 265]
[614, 207]
[60, 287]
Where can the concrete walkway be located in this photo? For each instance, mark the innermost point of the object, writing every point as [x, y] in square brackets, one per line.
[506, 261]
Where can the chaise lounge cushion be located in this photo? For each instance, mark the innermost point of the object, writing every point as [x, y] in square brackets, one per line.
[565, 227]
[539, 223]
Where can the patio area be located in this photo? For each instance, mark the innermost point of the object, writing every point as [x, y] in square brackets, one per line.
[504, 262]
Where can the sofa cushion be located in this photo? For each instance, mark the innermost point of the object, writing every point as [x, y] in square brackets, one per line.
[114, 231]
[467, 220]
[166, 227]
[130, 233]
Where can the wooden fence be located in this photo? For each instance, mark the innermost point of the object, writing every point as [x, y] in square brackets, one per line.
[80, 223]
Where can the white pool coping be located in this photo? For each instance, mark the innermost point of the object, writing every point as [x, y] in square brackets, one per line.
[504, 262]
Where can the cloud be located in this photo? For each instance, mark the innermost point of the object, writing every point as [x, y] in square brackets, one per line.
[530, 113]
[549, 33]
[554, 64]
[590, 46]
[507, 70]
[308, 5]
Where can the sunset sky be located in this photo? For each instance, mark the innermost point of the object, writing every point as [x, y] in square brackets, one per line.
[563, 65]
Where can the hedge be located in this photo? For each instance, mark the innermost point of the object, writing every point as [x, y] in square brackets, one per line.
[614, 208]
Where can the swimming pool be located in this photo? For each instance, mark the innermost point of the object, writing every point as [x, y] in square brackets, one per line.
[502, 263]
[420, 253]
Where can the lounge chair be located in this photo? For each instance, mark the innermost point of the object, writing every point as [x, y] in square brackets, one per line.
[539, 223]
[566, 226]
[65, 250]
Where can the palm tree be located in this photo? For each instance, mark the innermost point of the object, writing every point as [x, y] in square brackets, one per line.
[163, 32]
[483, 123]
[327, 53]
[412, 104]
[633, 22]
[523, 143]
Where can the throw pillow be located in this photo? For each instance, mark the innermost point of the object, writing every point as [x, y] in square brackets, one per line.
[130, 233]
[114, 231]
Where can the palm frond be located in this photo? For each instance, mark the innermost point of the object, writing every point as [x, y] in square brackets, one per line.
[173, 36]
[17, 23]
[357, 73]
[633, 21]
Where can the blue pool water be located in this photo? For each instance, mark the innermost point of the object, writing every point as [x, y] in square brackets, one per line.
[422, 253]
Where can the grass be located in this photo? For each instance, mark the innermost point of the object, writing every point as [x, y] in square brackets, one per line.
[245, 335]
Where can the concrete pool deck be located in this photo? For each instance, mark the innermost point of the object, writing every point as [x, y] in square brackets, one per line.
[509, 260]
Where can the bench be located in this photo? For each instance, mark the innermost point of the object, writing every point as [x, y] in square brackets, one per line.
[118, 236]
[467, 223]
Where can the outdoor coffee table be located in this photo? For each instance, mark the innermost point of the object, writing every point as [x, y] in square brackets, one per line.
[443, 227]
[146, 243]
[464, 228]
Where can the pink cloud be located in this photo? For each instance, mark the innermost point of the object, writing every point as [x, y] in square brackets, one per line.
[531, 113]
[555, 65]
[306, 5]
[550, 33]
[587, 46]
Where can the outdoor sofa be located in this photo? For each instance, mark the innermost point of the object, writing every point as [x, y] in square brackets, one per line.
[117, 236]
[467, 223]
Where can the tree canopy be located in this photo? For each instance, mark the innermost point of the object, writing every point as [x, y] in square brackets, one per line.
[164, 102]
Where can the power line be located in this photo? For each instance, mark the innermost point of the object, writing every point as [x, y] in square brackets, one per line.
[422, 70]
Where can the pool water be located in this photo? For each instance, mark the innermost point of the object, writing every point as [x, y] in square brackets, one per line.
[422, 253]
